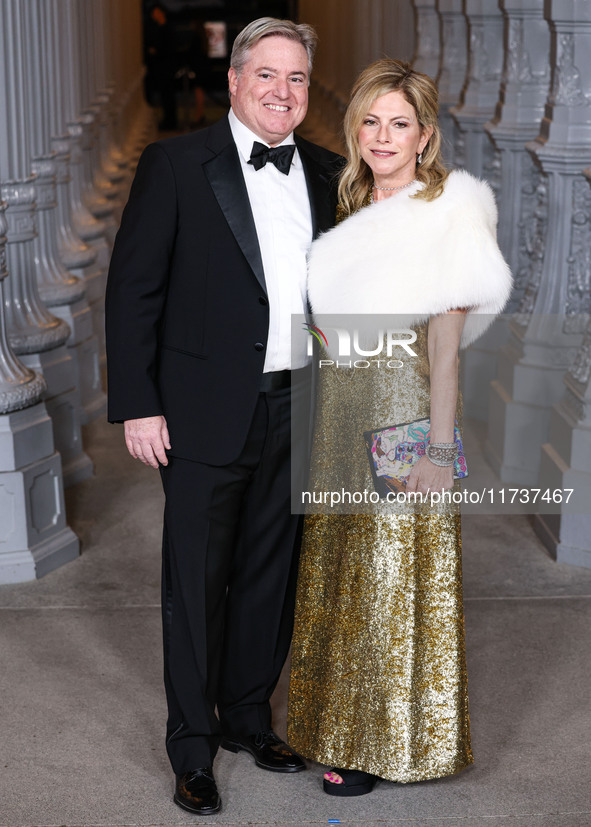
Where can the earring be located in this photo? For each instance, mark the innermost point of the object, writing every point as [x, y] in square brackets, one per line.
[420, 158]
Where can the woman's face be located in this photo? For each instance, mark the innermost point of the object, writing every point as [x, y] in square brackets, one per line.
[390, 139]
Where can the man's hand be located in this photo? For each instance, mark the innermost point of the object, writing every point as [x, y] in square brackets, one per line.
[147, 439]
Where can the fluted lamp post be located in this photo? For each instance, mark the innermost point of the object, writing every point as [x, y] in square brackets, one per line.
[524, 90]
[34, 537]
[427, 44]
[451, 74]
[20, 386]
[38, 336]
[485, 63]
[547, 332]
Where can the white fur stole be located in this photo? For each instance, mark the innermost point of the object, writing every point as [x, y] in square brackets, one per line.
[416, 259]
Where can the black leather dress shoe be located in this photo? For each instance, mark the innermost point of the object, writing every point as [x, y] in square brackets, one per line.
[268, 751]
[196, 792]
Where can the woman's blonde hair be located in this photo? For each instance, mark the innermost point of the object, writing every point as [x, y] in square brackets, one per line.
[378, 79]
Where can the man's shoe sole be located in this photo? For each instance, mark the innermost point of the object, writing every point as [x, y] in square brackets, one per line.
[195, 810]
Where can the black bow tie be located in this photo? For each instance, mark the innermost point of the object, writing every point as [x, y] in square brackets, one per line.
[281, 156]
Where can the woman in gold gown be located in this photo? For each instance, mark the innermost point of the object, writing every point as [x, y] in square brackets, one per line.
[378, 683]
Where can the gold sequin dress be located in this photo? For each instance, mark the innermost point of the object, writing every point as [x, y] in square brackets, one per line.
[378, 668]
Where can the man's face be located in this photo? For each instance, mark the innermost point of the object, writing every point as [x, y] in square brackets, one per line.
[270, 95]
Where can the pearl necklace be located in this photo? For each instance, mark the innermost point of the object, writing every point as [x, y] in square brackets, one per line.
[403, 187]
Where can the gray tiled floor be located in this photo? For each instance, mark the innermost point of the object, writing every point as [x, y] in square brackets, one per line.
[83, 706]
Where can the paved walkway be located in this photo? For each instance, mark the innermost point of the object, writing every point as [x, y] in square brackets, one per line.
[83, 705]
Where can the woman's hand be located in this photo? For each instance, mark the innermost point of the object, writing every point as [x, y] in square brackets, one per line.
[425, 476]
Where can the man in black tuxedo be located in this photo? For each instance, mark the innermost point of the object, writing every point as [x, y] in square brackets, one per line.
[208, 266]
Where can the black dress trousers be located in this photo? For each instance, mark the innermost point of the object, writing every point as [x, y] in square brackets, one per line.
[229, 568]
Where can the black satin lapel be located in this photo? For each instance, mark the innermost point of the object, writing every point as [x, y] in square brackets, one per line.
[322, 205]
[227, 182]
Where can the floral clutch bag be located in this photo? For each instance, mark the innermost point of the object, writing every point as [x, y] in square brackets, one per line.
[393, 451]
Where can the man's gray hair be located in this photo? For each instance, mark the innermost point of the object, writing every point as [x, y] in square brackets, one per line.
[266, 27]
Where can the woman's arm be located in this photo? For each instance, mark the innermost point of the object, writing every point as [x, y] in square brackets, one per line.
[443, 345]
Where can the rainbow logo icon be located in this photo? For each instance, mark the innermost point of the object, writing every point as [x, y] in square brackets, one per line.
[316, 332]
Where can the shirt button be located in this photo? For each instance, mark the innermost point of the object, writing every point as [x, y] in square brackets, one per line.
[263, 301]
[259, 346]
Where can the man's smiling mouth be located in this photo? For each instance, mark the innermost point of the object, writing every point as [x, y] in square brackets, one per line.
[277, 108]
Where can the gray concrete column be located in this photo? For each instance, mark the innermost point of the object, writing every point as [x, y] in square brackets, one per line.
[86, 224]
[451, 75]
[76, 255]
[79, 125]
[427, 43]
[519, 110]
[474, 150]
[109, 172]
[121, 76]
[35, 334]
[31, 326]
[20, 387]
[97, 192]
[547, 332]
[79, 256]
[61, 290]
[524, 90]
[34, 537]
[566, 458]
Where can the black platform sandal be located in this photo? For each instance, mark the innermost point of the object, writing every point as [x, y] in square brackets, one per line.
[355, 782]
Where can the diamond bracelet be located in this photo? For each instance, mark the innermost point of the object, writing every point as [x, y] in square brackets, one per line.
[442, 453]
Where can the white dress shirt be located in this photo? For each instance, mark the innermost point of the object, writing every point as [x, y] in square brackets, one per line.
[281, 208]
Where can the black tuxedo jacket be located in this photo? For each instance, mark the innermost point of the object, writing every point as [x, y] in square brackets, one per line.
[186, 303]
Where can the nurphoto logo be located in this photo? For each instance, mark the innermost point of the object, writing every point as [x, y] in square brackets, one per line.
[348, 345]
